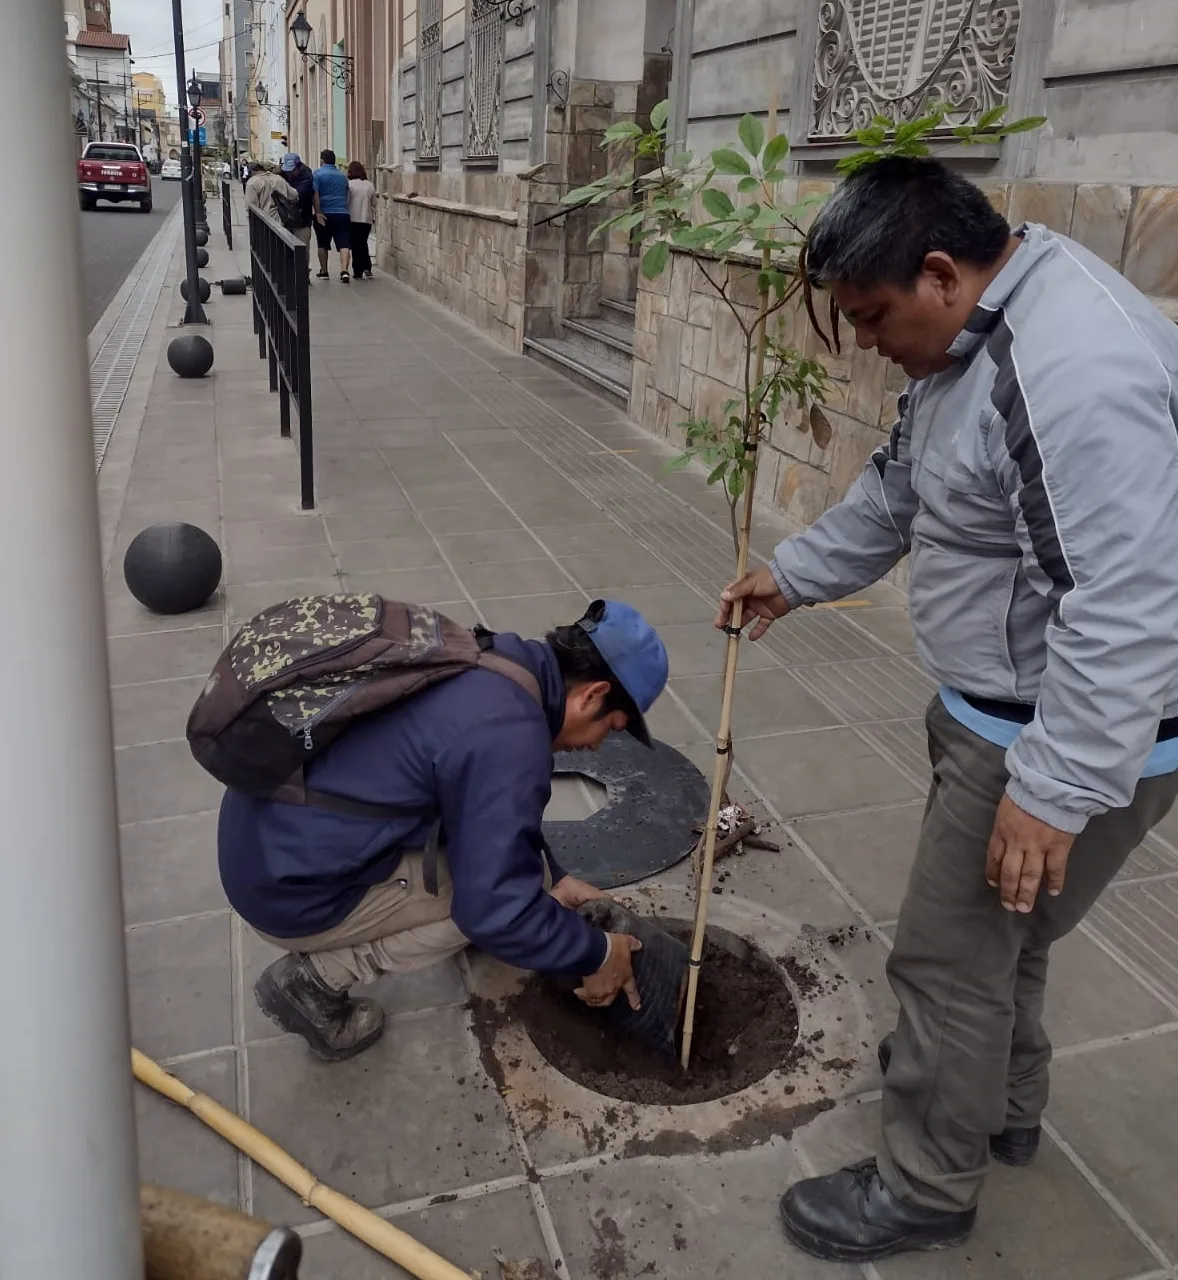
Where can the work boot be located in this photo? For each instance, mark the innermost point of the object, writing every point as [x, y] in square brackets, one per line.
[1015, 1147]
[850, 1216]
[291, 994]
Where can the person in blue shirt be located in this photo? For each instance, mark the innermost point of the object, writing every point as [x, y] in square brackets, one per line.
[333, 223]
[467, 766]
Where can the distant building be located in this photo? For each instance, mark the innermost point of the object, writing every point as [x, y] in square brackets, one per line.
[97, 15]
[149, 108]
[102, 60]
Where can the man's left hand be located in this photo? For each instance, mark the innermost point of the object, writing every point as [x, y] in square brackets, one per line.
[1023, 852]
[573, 893]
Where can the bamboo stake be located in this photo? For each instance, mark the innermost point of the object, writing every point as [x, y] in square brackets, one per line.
[731, 657]
[378, 1234]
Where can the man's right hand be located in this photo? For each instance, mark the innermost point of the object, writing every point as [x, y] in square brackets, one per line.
[616, 975]
[760, 597]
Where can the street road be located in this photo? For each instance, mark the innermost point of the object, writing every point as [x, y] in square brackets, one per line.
[113, 239]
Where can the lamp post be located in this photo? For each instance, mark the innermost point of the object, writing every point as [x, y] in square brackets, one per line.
[193, 311]
[193, 93]
[339, 66]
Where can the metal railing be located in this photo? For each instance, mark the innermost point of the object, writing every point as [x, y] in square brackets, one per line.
[227, 212]
[282, 322]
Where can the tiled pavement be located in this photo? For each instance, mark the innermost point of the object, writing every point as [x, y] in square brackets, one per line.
[453, 472]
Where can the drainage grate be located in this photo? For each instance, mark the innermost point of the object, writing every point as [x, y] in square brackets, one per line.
[114, 365]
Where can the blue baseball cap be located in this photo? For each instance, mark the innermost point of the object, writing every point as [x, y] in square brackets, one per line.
[632, 650]
[290, 162]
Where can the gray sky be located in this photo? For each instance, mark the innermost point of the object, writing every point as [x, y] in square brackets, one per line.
[149, 24]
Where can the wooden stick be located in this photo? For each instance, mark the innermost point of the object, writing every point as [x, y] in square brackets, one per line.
[378, 1234]
[731, 656]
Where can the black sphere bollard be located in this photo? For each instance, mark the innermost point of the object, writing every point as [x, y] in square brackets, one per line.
[190, 355]
[203, 288]
[202, 257]
[202, 237]
[234, 285]
[172, 568]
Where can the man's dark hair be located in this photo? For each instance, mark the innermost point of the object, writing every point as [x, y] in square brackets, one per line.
[328, 157]
[580, 663]
[882, 222]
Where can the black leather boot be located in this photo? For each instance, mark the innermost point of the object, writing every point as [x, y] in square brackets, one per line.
[291, 994]
[850, 1216]
[1015, 1147]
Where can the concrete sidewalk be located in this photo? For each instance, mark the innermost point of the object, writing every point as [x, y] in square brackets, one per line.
[453, 472]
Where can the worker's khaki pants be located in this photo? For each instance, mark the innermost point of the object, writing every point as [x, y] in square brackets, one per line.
[970, 1056]
[399, 926]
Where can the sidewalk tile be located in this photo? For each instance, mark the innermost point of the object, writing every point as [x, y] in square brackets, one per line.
[685, 1219]
[608, 571]
[525, 578]
[412, 1116]
[1116, 1108]
[824, 771]
[177, 1150]
[162, 781]
[606, 538]
[1040, 1221]
[179, 980]
[665, 607]
[170, 868]
[485, 517]
[415, 586]
[467, 1234]
[252, 536]
[697, 650]
[156, 712]
[870, 851]
[373, 524]
[125, 616]
[245, 599]
[169, 655]
[534, 616]
[492, 546]
[889, 626]
[764, 702]
[418, 551]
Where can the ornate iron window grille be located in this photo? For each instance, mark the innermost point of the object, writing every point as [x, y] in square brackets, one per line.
[484, 79]
[895, 57]
[429, 81]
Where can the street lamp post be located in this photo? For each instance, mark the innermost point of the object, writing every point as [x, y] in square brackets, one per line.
[193, 311]
[339, 66]
[192, 90]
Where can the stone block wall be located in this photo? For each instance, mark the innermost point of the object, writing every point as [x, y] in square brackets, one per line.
[688, 349]
[461, 238]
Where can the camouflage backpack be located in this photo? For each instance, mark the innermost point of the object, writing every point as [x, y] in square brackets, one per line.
[300, 672]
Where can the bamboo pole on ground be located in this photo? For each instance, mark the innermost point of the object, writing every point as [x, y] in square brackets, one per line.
[731, 656]
[365, 1225]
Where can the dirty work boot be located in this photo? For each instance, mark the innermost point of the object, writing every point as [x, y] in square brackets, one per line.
[850, 1216]
[291, 994]
[1015, 1147]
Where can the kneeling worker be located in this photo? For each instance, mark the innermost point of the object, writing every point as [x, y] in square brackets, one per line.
[352, 897]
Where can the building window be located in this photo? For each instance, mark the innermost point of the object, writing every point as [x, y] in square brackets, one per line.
[484, 79]
[429, 81]
[896, 57]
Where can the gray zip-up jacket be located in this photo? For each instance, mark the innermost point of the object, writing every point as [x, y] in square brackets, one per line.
[1035, 484]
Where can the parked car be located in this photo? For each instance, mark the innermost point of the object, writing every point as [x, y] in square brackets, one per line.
[113, 171]
[170, 170]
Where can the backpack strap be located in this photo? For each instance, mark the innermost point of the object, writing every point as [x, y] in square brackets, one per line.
[489, 660]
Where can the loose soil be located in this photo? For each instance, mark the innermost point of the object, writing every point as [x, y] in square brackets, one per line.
[746, 1026]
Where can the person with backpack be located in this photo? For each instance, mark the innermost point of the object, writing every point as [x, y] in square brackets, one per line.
[300, 177]
[263, 189]
[388, 774]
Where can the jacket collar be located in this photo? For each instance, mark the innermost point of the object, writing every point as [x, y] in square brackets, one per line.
[1037, 241]
[541, 662]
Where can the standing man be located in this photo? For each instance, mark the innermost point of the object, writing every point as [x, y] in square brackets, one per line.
[299, 176]
[332, 220]
[1033, 477]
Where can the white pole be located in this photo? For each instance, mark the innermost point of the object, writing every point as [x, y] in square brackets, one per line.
[69, 1205]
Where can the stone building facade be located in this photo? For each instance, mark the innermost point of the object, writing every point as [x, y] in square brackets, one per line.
[481, 114]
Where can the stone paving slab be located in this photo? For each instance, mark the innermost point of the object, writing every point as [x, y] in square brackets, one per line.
[452, 472]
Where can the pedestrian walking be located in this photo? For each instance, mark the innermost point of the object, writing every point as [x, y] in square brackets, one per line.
[1033, 479]
[244, 174]
[361, 197]
[263, 185]
[333, 223]
[299, 176]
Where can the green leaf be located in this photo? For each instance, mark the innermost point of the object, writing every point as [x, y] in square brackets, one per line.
[660, 114]
[736, 482]
[776, 175]
[718, 473]
[776, 149]
[678, 464]
[728, 161]
[655, 259]
[991, 117]
[623, 131]
[717, 203]
[581, 194]
[745, 185]
[1025, 125]
[752, 135]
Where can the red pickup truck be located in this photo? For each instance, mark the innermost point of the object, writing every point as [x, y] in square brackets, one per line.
[113, 171]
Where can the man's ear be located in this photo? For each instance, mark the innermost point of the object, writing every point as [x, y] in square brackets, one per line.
[944, 274]
[589, 698]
